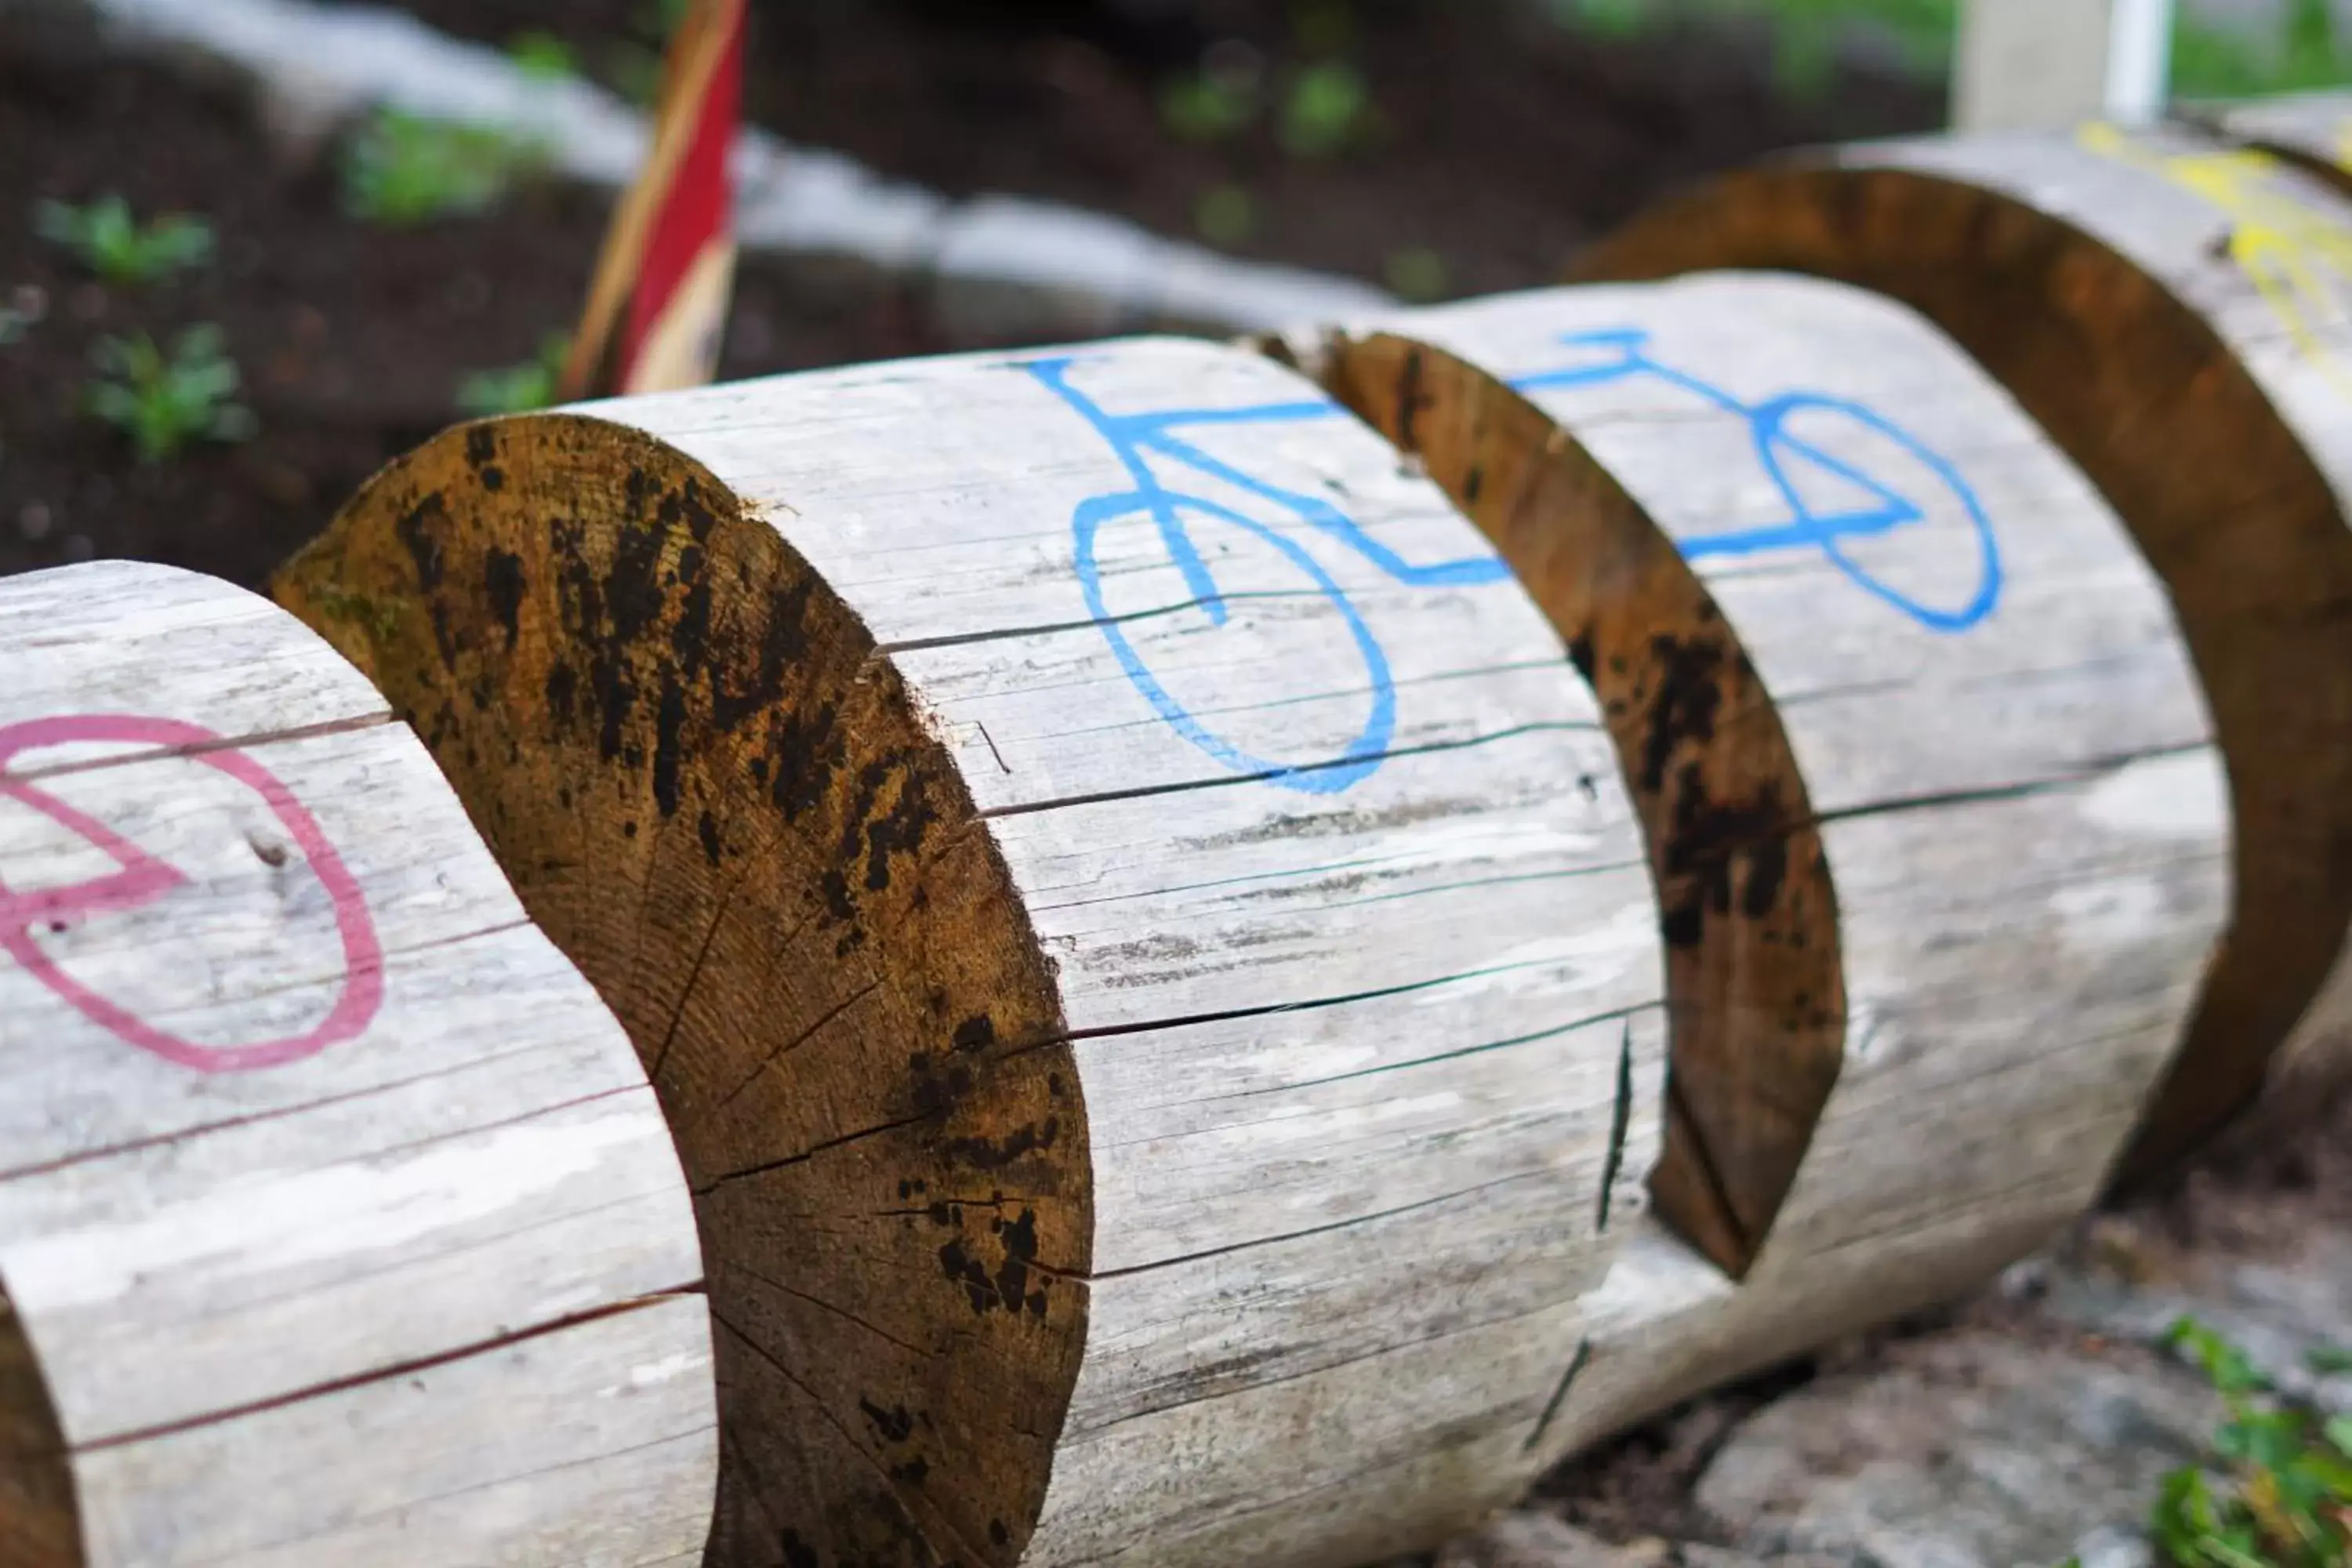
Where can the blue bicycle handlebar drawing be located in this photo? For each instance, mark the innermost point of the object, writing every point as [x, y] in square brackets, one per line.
[1137, 439]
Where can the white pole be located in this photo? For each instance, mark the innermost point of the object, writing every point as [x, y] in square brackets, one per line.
[2139, 61]
[2050, 64]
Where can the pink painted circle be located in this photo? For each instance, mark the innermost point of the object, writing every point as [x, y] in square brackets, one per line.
[143, 878]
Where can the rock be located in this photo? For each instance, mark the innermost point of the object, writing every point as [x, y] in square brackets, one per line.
[2111, 1546]
[1697, 1554]
[1970, 1450]
[2278, 1315]
[1529, 1539]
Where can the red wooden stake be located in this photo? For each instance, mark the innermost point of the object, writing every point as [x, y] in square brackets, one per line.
[657, 312]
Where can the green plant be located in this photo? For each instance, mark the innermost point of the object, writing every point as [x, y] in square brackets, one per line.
[2208, 62]
[1328, 107]
[1417, 275]
[543, 56]
[1805, 34]
[633, 70]
[632, 66]
[2306, 51]
[161, 401]
[399, 171]
[657, 19]
[1225, 215]
[106, 237]
[2282, 1494]
[516, 389]
[1222, 98]
[1201, 108]
[1608, 18]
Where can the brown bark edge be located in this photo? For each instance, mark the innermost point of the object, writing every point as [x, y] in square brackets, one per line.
[714, 793]
[2228, 507]
[1755, 986]
[41, 1519]
[2214, 121]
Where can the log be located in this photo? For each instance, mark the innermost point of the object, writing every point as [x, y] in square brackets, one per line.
[1129, 910]
[2313, 130]
[338, 1222]
[1959, 702]
[2149, 300]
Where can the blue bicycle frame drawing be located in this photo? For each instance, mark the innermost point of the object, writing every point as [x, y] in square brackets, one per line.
[1137, 439]
[1782, 454]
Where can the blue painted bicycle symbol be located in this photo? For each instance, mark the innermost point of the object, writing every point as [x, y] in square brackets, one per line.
[1138, 439]
[1786, 456]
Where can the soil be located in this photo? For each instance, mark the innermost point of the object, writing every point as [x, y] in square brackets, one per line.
[1496, 139]
[1500, 143]
[353, 341]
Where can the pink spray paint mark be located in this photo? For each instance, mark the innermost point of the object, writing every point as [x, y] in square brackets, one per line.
[143, 878]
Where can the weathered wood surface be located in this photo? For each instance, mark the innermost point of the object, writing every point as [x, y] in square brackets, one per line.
[2168, 310]
[1984, 692]
[338, 1222]
[2313, 129]
[1130, 910]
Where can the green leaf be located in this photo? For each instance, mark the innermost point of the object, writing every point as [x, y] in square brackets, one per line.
[399, 171]
[2184, 1513]
[1606, 18]
[2329, 1359]
[543, 56]
[106, 237]
[1326, 109]
[1419, 276]
[2339, 1432]
[2265, 1439]
[2225, 1366]
[163, 402]
[1204, 108]
[516, 389]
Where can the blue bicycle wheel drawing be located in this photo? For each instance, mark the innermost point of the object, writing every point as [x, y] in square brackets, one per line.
[1933, 491]
[1174, 516]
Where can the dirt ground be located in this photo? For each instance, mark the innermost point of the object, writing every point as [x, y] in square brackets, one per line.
[1495, 137]
[1497, 143]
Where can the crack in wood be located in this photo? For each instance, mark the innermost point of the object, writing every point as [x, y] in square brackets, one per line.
[1223, 781]
[1576, 1365]
[154, 754]
[1620, 1118]
[394, 1371]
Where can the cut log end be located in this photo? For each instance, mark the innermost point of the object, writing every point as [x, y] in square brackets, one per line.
[2227, 504]
[718, 797]
[1755, 984]
[40, 1525]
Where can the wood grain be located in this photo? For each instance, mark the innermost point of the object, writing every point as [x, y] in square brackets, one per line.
[1127, 907]
[2134, 294]
[305, 1115]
